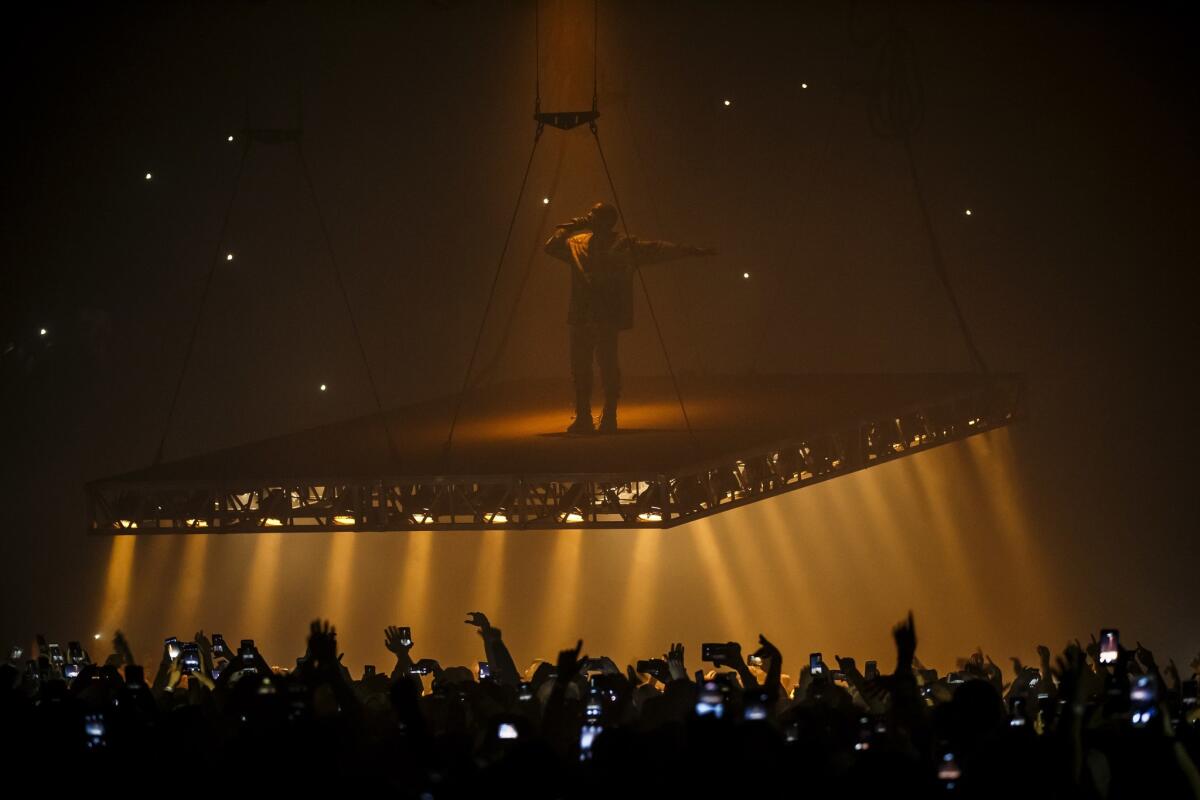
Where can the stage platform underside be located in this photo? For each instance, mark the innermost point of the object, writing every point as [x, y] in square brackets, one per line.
[511, 465]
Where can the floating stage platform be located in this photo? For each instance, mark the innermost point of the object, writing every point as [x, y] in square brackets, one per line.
[511, 467]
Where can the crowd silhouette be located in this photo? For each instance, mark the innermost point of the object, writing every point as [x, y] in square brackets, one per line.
[1096, 721]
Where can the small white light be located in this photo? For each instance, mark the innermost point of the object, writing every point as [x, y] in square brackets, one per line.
[968, 212]
[728, 103]
[804, 86]
[41, 332]
[230, 139]
[148, 176]
[322, 387]
[96, 636]
[545, 201]
[745, 274]
[229, 256]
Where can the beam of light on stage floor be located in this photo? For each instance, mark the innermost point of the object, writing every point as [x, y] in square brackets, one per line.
[562, 590]
[118, 584]
[190, 583]
[262, 584]
[488, 586]
[642, 582]
[338, 582]
[417, 560]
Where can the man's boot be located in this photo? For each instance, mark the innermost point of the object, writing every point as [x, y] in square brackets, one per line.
[608, 421]
[583, 413]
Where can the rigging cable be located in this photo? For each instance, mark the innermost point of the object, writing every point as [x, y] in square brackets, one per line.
[337, 273]
[212, 271]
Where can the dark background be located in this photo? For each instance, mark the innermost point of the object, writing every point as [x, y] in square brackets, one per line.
[1069, 130]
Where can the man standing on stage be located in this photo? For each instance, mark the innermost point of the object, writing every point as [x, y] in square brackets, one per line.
[602, 265]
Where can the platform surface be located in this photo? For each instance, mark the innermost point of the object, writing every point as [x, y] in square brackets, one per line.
[517, 428]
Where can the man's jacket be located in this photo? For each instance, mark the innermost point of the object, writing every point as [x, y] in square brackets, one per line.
[602, 277]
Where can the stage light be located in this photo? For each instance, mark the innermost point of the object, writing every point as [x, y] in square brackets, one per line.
[230, 139]
[421, 517]
[196, 523]
[574, 516]
[746, 275]
[728, 103]
[545, 201]
[126, 524]
[149, 176]
[42, 332]
[229, 256]
[273, 522]
[804, 86]
[322, 387]
[344, 519]
[968, 212]
[650, 516]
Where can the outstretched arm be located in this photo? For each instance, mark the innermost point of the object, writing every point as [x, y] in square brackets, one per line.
[652, 252]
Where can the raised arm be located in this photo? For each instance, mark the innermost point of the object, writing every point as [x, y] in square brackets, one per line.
[556, 246]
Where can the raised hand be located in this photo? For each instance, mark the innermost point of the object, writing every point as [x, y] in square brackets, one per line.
[394, 642]
[122, 648]
[479, 620]
[849, 668]
[569, 663]
[767, 650]
[905, 636]
[322, 644]
[675, 664]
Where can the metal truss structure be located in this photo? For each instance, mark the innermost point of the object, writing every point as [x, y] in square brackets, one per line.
[547, 501]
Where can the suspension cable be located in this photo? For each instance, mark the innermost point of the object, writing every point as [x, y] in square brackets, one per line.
[212, 271]
[337, 274]
[645, 290]
[491, 295]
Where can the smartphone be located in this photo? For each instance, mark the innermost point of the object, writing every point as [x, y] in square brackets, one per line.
[651, 666]
[406, 636]
[74, 653]
[714, 652]
[1110, 643]
[368, 671]
[16, 653]
[218, 645]
[525, 692]
[56, 656]
[594, 707]
[948, 771]
[418, 669]
[172, 647]
[815, 665]
[587, 737]
[710, 701]
[485, 670]
[1143, 700]
[756, 706]
[754, 661]
[506, 730]
[71, 671]
[95, 730]
[872, 671]
[865, 729]
[189, 658]
[246, 651]
[1016, 718]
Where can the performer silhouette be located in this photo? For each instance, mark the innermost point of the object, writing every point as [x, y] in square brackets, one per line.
[603, 262]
